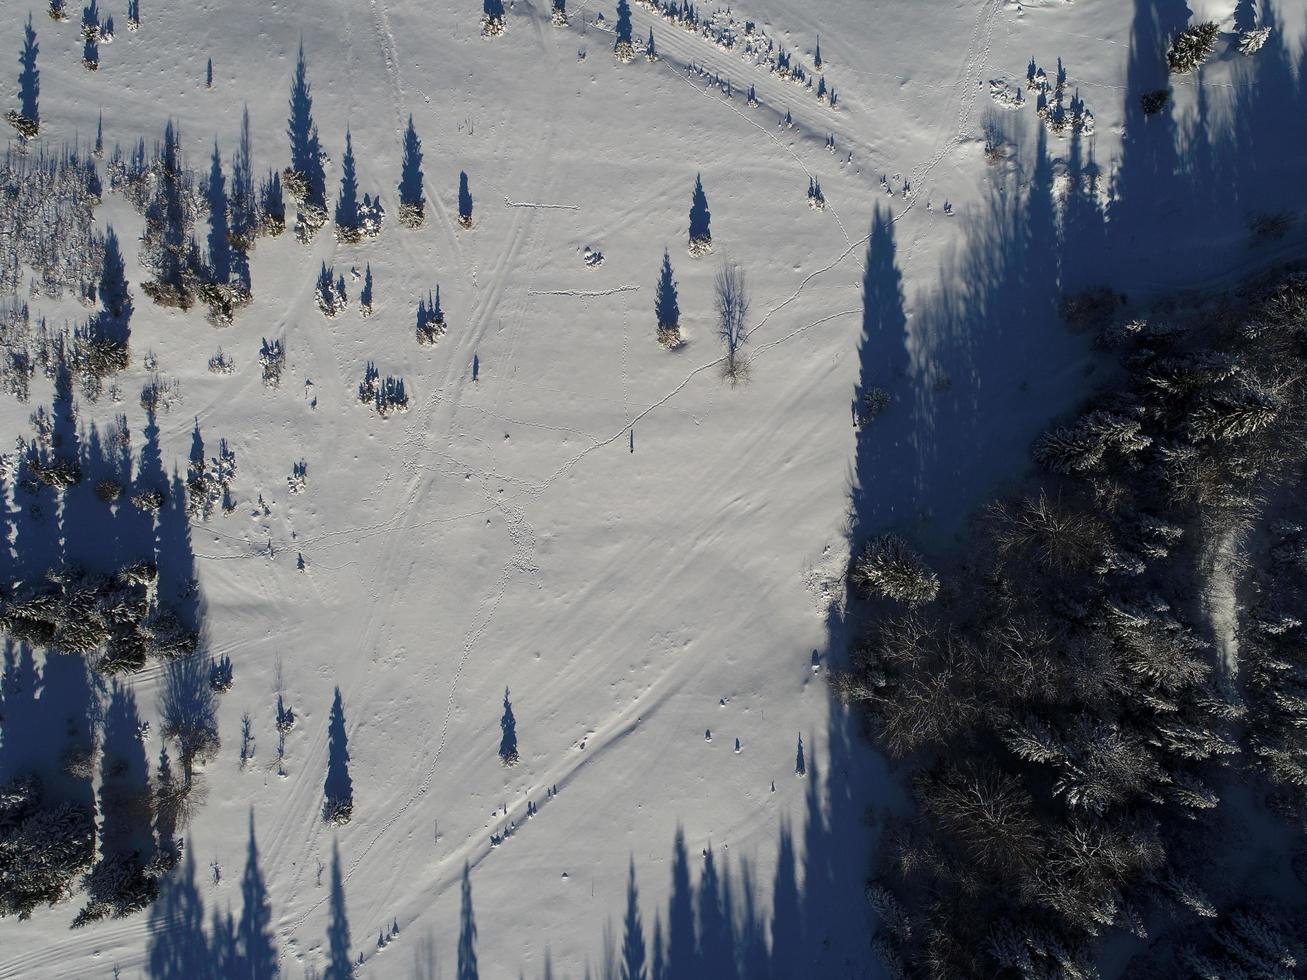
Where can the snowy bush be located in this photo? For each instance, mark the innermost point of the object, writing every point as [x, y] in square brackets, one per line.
[887, 568]
[26, 127]
[221, 363]
[209, 481]
[387, 395]
[1190, 47]
[430, 319]
[816, 199]
[272, 359]
[330, 293]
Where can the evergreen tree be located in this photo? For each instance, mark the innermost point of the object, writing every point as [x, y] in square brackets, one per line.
[650, 49]
[666, 309]
[113, 278]
[700, 216]
[411, 202]
[464, 201]
[347, 205]
[508, 739]
[623, 27]
[338, 790]
[219, 231]
[305, 149]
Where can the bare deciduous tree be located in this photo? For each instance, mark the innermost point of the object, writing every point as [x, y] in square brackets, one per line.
[732, 312]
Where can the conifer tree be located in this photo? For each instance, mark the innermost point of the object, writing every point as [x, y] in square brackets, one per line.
[700, 216]
[666, 308]
[622, 47]
[347, 204]
[412, 205]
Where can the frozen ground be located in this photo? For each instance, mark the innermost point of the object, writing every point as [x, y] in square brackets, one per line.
[638, 551]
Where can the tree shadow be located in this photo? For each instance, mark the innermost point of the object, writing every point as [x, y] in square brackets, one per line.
[467, 931]
[254, 937]
[188, 713]
[347, 204]
[125, 797]
[464, 198]
[305, 147]
[508, 738]
[29, 76]
[338, 788]
[339, 966]
[182, 947]
[700, 216]
[410, 174]
[219, 240]
[179, 946]
[884, 407]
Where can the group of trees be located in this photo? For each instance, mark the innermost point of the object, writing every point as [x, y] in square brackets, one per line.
[1058, 699]
[730, 294]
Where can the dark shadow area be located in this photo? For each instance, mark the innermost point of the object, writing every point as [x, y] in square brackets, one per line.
[667, 310]
[29, 77]
[634, 965]
[508, 737]
[219, 241]
[183, 947]
[254, 936]
[884, 407]
[700, 216]
[179, 946]
[339, 966]
[188, 713]
[125, 794]
[464, 198]
[410, 174]
[305, 147]
[347, 204]
[365, 294]
[338, 788]
[243, 207]
[467, 932]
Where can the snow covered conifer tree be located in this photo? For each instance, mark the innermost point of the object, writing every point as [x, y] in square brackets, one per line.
[666, 308]
[651, 49]
[700, 216]
[622, 48]
[347, 204]
[412, 205]
[1190, 48]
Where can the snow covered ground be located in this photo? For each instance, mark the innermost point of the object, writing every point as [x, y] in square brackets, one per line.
[642, 554]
